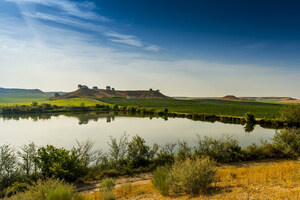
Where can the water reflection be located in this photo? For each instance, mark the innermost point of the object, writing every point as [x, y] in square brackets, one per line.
[64, 129]
[85, 118]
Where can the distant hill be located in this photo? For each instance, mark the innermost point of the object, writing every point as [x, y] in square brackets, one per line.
[269, 98]
[230, 97]
[101, 93]
[20, 91]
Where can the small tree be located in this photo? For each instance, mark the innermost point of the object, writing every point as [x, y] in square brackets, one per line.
[8, 165]
[28, 154]
[95, 88]
[56, 94]
[117, 150]
[79, 86]
[138, 152]
[249, 118]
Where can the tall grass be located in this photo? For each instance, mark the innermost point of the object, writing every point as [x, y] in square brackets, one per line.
[161, 181]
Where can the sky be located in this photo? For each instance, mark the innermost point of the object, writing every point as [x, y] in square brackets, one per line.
[198, 48]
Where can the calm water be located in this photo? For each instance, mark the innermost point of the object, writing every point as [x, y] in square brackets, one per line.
[63, 131]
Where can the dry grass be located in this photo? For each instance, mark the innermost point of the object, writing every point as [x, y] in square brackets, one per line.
[274, 181]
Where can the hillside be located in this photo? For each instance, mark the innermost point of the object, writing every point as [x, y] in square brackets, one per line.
[20, 91]
[272, 99]
[230, 97]
[101, 93]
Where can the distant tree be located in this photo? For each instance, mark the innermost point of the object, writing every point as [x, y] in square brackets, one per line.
[113, 89]
[249, 118]
[157, 90]
[150, 89]
[56, 94]
[79, 86]
[34, 103]
[95, 88]
[107, 87]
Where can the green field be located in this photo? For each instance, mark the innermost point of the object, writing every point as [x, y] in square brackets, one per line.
[204, 106]
[13, 99]
[64, 102]
[74, 102]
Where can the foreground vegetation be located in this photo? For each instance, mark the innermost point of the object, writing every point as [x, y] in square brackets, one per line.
[266, 181]
[20, 169]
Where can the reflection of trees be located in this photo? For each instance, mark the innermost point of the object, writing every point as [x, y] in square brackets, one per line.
[249, 127]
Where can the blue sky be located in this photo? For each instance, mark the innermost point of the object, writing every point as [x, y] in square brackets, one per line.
[183, 48]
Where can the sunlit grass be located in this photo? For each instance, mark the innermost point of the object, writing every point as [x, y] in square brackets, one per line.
[74, 102]
[61, 102]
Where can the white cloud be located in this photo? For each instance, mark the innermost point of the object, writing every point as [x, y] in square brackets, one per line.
[81, 10]
[124, 39]
[78, 15]
[154, 48]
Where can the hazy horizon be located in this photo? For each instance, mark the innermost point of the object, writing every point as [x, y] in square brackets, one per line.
[194, 48]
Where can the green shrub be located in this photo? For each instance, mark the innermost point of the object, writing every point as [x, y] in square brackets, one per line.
[249, 118]
[161, 181]
[225, 149]
[287, 141]
[109, 195]
[60, 193]
[108, 184]
[15, 188]
[192, 175]
[291, 113]
[61, 163]
[49, 189]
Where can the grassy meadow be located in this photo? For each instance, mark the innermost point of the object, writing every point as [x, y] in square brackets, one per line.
[22, 99]
[28, 99]
[204, 106]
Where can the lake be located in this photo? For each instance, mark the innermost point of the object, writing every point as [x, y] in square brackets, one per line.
[63, 130]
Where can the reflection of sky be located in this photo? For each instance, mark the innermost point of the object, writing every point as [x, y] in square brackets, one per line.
[63, 131]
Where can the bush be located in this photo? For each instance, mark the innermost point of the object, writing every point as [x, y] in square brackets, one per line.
[161, 181]
[49, 189]
[108, 184]
[15, 188]
[192, 175]
[60, 193]
[108, 196]
[249, 118]
[225, 149]
[61, 163]
[291, 113]
[287, 141]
